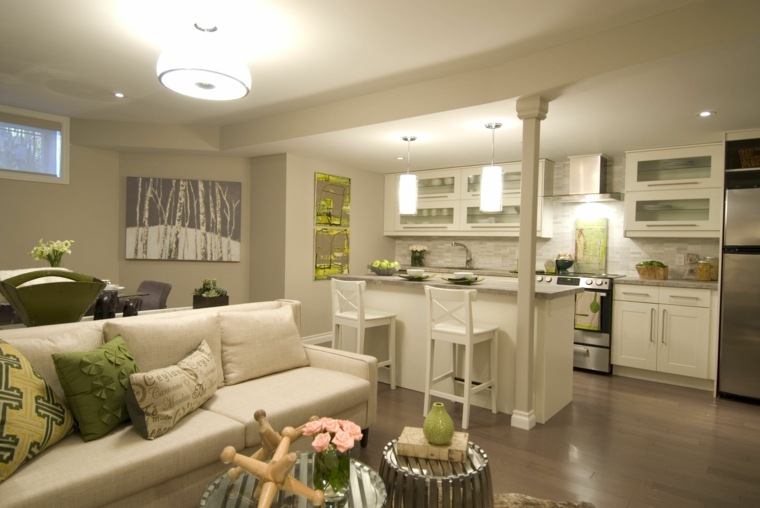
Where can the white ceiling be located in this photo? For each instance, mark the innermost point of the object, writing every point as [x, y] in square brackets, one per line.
[343, 80]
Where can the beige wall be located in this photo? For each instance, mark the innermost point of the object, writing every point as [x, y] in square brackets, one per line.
[277, 253]
[184, 276]
[84, 211]
[293, 272]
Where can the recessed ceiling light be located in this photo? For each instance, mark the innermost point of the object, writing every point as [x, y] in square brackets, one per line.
[705, 114]
[119, 95]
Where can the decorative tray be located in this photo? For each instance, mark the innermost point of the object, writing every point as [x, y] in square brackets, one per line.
[464, 282]
[414, 278]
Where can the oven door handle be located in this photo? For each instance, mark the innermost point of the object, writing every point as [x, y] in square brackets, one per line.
[583, 350]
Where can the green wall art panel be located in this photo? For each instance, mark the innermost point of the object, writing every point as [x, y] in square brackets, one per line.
[332, 218]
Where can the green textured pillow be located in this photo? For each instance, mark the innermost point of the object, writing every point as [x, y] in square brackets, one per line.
[158, 399]
[32, 417]
[95, 383]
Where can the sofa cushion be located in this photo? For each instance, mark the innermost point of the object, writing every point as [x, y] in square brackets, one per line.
[290, 398]
[121, 464]
[158, 343]
[38, 344]
[32, 416]
[158, 399]
[256, 344]
[95, 383]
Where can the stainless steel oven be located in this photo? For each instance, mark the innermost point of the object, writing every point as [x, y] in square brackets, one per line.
[593, 318]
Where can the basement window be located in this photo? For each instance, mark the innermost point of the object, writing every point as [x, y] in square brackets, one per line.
[33, 146]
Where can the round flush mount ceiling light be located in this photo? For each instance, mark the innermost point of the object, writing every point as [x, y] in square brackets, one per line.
[706, 114]
[201, 66]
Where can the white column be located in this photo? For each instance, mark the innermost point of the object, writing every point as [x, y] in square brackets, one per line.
[531, 110]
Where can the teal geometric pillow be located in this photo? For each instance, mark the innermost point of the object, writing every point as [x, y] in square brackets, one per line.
[32, 417]
[95, 383]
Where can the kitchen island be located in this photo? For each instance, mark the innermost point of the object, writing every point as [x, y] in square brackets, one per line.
[496, 304]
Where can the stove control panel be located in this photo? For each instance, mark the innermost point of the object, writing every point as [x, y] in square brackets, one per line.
[598, 283]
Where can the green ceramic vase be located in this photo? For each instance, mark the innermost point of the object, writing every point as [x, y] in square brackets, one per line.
[438, 427]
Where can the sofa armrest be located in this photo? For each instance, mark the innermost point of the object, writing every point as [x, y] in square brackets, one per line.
[362, 366]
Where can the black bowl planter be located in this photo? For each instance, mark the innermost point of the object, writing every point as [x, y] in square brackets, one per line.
[203, 302]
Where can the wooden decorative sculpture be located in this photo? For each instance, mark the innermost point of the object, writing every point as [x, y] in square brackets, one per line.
[274, 475]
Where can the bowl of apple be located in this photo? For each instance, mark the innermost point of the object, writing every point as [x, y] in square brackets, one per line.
[383, 267]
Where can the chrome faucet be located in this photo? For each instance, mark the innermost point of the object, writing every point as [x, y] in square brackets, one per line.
[467, 253]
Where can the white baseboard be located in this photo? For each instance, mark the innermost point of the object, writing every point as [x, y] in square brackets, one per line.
[322, 339]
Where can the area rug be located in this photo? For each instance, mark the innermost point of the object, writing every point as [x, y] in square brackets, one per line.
[523, 501]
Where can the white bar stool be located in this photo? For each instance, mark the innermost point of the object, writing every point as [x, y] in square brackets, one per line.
[449, 313]
[349, 310]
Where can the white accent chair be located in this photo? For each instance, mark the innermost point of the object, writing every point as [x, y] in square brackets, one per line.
[449, 313]
[349, 311]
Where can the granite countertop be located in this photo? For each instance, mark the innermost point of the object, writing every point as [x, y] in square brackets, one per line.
[490, 284]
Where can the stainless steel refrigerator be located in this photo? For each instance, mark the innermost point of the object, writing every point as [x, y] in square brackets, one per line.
[739, 360]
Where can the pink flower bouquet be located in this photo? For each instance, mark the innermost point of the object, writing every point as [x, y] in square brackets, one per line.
[328, 432]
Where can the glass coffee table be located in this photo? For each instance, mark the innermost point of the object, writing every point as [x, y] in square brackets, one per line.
[367, 489]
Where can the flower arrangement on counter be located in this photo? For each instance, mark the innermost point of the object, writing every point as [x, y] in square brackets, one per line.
[418, 254]
[52, 251]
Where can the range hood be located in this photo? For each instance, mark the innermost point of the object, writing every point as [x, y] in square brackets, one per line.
[587, 180]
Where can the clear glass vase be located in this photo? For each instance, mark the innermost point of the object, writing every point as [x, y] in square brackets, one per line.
[332, 470]
[418, 258]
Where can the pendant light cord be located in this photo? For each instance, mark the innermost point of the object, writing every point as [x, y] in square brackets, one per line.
[408, 140]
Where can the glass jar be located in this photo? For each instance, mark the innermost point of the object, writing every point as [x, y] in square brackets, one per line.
[703, 270]
[713, 262]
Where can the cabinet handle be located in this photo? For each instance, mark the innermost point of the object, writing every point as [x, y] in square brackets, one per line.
[685, 297]
[664, 315]
[652, 327]
[424, 226]
[495, 225]
[630, 293]
[671, 183]
[670, 225]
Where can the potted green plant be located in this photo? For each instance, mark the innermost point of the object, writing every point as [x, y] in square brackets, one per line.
[210, 295]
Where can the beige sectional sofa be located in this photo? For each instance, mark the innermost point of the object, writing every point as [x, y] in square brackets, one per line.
[258, 366]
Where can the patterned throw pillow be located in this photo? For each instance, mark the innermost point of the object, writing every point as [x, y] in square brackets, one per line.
[95, 383]
[160, 398]
[32, 417]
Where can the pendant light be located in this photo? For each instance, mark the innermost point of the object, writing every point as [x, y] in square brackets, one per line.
[407, 185]
[204, 67]
[491, 180]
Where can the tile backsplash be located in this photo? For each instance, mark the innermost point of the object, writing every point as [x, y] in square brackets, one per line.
[622, 253]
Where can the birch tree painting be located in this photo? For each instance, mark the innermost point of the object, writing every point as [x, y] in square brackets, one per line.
[178, 219]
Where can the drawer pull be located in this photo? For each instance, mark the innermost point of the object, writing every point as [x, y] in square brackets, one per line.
[670, 225]
[671, 183]
[582, 350]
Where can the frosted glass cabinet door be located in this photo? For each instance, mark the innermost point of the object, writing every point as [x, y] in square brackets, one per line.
[689, 212]
[431, 216]
[692, 167]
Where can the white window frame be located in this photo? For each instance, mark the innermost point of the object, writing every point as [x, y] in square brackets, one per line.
[26, 118]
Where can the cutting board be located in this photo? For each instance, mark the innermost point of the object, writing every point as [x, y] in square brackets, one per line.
[590, 246]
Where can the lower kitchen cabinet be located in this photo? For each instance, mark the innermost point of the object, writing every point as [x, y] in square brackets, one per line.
[663, 329]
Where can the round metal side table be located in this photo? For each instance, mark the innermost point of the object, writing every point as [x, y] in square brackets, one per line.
[413, 482]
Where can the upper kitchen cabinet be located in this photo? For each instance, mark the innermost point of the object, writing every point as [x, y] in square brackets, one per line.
[674, 192]
[512, 179]
[438, 184]
[448, 204]
[688, 167]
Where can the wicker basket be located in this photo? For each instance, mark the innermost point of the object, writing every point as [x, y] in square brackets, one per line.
[653, 272]
[749, 157]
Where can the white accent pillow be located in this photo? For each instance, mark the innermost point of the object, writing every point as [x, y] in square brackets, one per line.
[255, 344]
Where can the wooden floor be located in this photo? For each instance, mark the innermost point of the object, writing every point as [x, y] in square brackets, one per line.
[620, 443]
